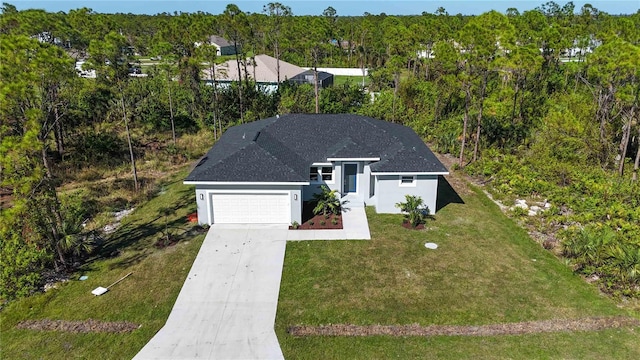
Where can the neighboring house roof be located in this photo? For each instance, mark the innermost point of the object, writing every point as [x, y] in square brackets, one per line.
[322, 75]
[219, 41]
[261, 68]
[282, 149]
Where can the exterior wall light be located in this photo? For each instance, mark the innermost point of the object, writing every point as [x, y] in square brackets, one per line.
[201, 196]
[295, 196]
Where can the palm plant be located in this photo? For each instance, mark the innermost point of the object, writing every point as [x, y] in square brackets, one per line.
[413, 209]
[327, 202]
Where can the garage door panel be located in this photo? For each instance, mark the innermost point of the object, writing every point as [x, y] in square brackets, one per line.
[251, 208]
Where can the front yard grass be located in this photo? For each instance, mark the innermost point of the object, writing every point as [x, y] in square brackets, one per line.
[486, 270]
[144, 298]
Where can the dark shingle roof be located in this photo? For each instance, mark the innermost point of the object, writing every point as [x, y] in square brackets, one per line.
[282, 149]
[219, 40]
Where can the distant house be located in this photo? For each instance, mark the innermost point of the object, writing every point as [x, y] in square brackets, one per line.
[263, 70]
[224, 47]
[324, 78]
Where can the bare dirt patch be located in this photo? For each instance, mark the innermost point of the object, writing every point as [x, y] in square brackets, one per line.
[531, 327]
[84, 326]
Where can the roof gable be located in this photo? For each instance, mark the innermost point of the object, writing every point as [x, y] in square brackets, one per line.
[261, 68]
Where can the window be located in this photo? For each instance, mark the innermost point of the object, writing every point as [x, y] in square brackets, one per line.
[408, 180]
[327, 173]
[313, 173]
[372, 186]
[321, 174]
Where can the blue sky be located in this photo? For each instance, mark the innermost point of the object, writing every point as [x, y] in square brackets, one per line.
[314, 7]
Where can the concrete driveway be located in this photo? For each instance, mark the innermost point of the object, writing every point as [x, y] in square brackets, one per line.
[227, 306]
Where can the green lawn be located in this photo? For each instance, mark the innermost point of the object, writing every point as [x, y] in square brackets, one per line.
[354, 80]
[145, 298]
[485, 271]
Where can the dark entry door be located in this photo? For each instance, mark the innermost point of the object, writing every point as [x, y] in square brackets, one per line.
[350, 178]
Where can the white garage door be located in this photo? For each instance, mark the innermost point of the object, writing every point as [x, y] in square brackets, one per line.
[251, 208]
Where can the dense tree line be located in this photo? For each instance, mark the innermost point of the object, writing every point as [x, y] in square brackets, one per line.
[500, 91]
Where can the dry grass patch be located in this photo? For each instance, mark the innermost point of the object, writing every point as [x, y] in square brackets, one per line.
[531, 327]
[85, 326]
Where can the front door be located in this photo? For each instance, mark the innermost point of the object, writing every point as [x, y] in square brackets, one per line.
[350, 183]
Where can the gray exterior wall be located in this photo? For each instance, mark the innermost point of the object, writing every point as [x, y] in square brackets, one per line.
[227, 50]
[389, 192]
[204, 202]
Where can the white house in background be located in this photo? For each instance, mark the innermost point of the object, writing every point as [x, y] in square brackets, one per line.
[261, 172]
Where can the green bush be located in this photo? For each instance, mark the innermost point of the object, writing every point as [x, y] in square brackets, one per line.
[413, 209]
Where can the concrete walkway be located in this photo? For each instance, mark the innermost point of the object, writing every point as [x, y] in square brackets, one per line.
[354, 227]
[226, 308]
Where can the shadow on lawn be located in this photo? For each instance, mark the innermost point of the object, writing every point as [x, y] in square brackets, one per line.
[139, 235]
[446, 194]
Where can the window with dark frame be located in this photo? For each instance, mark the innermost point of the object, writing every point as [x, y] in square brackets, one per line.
[313, 173]
[407, 180]
[327, 173]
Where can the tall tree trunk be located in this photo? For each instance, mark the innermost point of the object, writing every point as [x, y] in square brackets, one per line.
[53, 209]
[235, 47]
[58, 132]
[396, 83]
[45, 161]
[133, 159]
[315, 86]
[624, 143]
[467, 100]
[277, 53]
[636, 164]
[173, 127]
[479, 126]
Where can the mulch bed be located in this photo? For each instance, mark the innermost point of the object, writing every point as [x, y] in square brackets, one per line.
[407, 225]
[531, 327]
[85, 326]
[314, 222]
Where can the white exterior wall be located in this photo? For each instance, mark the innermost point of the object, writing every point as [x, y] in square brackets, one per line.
[389, 192]
[203, 198]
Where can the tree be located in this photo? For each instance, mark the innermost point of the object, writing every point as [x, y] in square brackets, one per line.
[614, 77]
[483, 40]
[235, 26]
[315, 43]
[277, 15]
[111, 62]
[32, 74]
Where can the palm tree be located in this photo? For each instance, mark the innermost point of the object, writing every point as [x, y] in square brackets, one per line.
[327, 202]
[414, 209]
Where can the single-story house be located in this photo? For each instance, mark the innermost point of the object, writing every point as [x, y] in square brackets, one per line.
[263, 70]
[324, 78]
[223, 46]
[261, 172]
